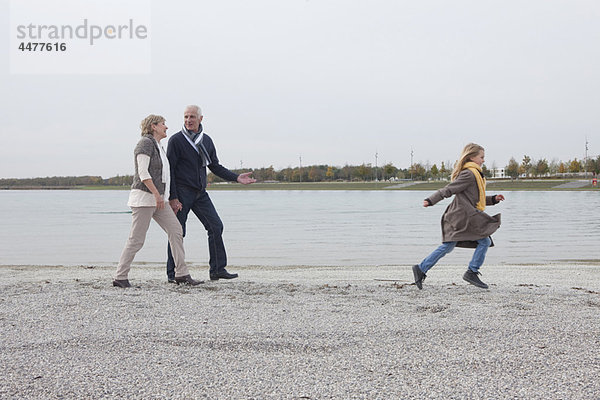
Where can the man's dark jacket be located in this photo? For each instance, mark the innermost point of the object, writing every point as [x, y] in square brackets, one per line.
[186, 164]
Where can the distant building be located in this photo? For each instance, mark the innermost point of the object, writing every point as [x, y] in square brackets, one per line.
[498, 173]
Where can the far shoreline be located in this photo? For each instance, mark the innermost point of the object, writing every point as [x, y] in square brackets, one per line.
[504, 184]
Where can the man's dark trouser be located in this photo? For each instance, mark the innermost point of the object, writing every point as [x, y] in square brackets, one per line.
[201, 205]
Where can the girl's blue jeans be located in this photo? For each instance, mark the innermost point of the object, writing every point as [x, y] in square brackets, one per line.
[447, 247]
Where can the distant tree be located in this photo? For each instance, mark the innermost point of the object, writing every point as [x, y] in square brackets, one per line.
[541, 167]
[591, 165]
[389, 170]
[562, 168]
[346, 172]
[315, 174]
[330, 174]
[270, 173]
[435, 172]
[297, 175]
[444, 172]
[363, 171]
[261, 174]
[525, 167]
[419, 172]
[597, 165]
[574, 166]
[124, 180]
[443, 169]
[512, 169]
[285, 175]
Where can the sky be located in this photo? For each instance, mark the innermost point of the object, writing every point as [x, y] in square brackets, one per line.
[320, 82]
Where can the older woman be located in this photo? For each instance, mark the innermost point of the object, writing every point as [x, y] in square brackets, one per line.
[149, 192]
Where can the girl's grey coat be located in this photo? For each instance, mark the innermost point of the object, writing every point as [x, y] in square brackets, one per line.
[462, 221]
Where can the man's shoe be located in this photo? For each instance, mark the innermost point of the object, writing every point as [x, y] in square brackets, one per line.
[187, 280]
[222, 275]
[172, 280]
[473, 279]
[419, 276]
[122, 283]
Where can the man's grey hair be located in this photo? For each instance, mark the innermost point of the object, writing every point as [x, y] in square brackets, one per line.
[195, 108]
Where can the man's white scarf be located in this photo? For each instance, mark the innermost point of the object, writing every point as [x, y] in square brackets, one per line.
[198, 145]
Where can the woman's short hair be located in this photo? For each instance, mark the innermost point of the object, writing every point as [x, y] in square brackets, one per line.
[147, 123]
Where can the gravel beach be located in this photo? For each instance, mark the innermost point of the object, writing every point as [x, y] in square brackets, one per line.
[301, 333]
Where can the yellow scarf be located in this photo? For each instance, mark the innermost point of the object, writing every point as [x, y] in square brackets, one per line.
[476, 170]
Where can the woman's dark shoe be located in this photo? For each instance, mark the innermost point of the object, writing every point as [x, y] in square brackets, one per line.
[419, 276]
[122, 283]
[222, 275]
[473, 279]
[187, 280]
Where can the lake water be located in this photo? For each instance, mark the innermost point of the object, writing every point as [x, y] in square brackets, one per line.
[284, 228]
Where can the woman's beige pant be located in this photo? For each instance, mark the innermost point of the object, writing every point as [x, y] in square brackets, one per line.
[141, 221]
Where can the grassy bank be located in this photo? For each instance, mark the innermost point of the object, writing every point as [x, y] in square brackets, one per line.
[492, 185]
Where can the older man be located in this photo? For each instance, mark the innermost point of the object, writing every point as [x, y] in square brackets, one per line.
[190, 151]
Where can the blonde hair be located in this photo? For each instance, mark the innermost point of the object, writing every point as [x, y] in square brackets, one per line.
[471, 150]
[146, 124]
